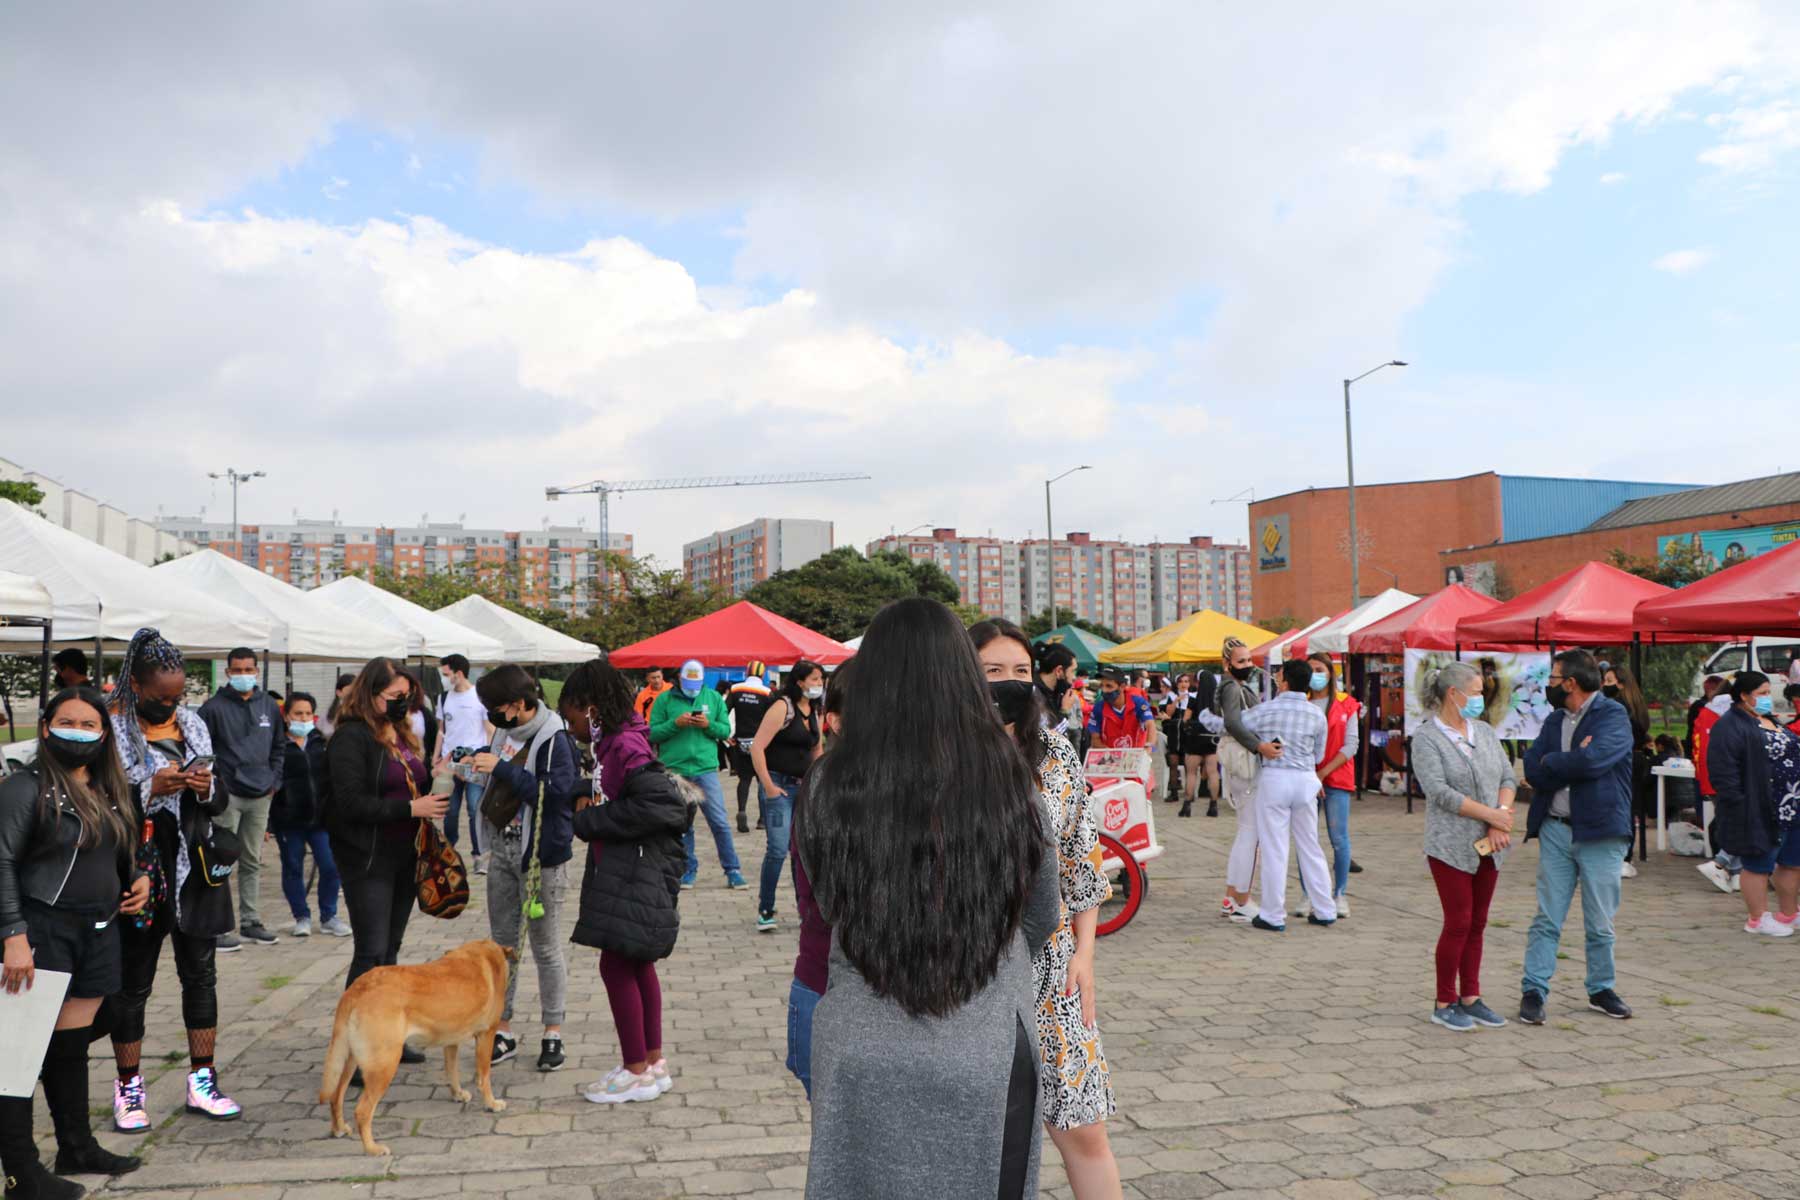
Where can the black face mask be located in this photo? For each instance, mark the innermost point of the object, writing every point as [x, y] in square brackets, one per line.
[157, 712]
[397, 708]
[73, 754]
[1611, 691]
[1012, 697]
[1557, 695]
[1242, 674]
[500, 720]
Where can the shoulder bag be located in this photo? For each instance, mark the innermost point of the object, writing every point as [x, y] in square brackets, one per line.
[439, 876]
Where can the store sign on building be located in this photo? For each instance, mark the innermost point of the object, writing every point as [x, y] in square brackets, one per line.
[1272, 548]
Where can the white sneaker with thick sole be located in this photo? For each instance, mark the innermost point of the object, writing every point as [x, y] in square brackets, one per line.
[1246, 913]
[1768, 926]
[302, 928]
[1343, 905]
[664, 1081]
[1305, 910]
[1629, 870]
[1715, 874]
[622, 1087]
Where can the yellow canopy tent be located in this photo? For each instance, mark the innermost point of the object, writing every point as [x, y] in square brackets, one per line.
[1192, 639]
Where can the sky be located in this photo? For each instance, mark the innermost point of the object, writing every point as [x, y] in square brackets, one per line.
[421, 259]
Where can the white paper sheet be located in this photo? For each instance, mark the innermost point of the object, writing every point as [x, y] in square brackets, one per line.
[26, 1022]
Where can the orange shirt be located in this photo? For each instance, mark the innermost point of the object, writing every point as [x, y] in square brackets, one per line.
[647, 697]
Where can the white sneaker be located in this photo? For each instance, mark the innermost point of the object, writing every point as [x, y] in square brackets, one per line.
[1246, 913]
[1737, 883]
[1716, 875]
[302, 927]
[336, 927]
[1768, 926]
[664, 1081]
[1229, 907]
[1343, 905]
[1305, 909]
[622, 1087]
[1629, 871]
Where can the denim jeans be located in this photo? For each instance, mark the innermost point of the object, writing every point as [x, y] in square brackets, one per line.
[460, 791]
[713, 807]
[778, 824]
[294, 844]
[1337, 827]
[801, 1002]
[1563, 865]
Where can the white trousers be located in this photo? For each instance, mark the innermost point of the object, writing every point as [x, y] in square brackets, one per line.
[1287, 801]
[1240, 867]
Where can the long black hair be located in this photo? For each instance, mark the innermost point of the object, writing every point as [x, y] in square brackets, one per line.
[791, 690]
[597, 687]
[922, 830]
[1028, 730]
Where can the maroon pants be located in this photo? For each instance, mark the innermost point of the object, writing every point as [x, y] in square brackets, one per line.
[636, 999]
[1465, 898]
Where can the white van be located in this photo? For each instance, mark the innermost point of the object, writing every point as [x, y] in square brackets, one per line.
[1772, 658]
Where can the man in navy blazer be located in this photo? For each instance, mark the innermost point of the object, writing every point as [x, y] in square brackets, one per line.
[1580, 769]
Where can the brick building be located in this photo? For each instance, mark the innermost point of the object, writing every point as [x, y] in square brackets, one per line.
[985, 568]
[1726, 521]
[1186, 577]
[1301, 544]
[739, 559]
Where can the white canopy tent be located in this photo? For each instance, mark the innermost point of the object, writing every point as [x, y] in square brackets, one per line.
[97, 595]
[524, 640]
[855, 643]
[426, 633]
[23, 598]
[1334, 636]
[301, 627]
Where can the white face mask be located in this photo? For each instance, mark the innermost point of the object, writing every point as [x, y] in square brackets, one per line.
[449, 681]
[814, 692]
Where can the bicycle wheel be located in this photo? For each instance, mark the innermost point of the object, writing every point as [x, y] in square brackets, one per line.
[1130, 883]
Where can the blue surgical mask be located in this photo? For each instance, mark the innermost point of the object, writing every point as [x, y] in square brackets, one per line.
[1473, 707]
[691, 687]
[242, 683]
[1319, 680]
[75, 735]
[300, 729]
[1765, 704]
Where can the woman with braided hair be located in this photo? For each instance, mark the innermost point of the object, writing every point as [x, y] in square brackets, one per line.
[166, 754]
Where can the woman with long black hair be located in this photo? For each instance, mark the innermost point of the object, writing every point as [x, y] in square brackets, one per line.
[166, 753]
[1755, 768]
[925, 842]
[1074, 1080]
[68, 836]
[380, 789]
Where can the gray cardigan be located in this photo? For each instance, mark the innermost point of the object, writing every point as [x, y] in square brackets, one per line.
[1448, 779]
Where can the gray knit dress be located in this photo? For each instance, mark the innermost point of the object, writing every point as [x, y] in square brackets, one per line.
[906, 1107]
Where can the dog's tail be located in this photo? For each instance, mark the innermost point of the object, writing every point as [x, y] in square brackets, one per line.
[337, 1054]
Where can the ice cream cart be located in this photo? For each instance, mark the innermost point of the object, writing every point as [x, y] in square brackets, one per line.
[1119, 786]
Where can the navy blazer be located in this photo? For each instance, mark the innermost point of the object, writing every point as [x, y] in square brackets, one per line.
[1598, 774]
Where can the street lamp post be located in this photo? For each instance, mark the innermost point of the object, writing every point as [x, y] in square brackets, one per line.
[236, 477]
[1350, 472]
[1049, 538]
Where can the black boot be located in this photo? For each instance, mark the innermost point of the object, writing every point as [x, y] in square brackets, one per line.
[65, 1077]
[25, 1176]
[1187, 809]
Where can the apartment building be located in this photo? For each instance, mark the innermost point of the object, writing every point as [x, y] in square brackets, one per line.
[738, 559]
[1107, 582]
[558, 565]
[95, 520]
[986, 569]
[1198, 573]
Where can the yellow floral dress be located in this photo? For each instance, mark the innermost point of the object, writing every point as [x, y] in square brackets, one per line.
[1077, 1089]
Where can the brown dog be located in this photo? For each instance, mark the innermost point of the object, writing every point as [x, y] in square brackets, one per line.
[442, 1003]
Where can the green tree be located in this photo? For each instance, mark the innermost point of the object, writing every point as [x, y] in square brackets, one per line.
[19, 676]
[645, 600]
[839, 593]
[1038, 624]
[21, 492]
[1680, 564]
[1278, 624]
[1669, 670]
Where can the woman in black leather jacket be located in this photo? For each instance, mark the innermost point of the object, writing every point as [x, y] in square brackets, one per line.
[67, 836]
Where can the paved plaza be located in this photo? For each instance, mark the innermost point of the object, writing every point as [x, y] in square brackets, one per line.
[1246, 1064]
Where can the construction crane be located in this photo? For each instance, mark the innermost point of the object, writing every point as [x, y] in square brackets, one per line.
[606, 489]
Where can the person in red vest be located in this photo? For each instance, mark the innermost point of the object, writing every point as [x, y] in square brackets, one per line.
[1121, 719]
[1723, 869]
[1338, 771]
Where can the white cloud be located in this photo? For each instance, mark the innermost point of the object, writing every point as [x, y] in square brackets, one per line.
[1682, 262]
[1754, 137]
[334, 190]
[1612, 178]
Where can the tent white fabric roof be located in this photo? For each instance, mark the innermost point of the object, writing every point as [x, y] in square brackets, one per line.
[855, 643]
[300, 626]
[525, 640]
[22, 597]
[426, 633]
[1334, 636]
[96, 593]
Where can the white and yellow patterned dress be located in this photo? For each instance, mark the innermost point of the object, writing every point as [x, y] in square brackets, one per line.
[1076, 1087]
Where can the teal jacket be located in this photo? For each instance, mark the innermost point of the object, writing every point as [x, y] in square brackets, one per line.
[685, 750]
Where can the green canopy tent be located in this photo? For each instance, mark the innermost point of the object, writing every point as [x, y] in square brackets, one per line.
[1087, 646]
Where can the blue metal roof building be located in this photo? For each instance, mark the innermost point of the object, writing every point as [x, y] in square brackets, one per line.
[1535, 506]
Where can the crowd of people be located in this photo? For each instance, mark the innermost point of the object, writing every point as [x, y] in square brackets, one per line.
[944, 858]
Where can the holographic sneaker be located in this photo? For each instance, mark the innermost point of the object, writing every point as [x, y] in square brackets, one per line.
[205, 1098]
[129, 1115]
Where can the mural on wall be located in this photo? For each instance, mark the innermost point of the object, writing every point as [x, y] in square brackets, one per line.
[1512, 687]
[1728, 547]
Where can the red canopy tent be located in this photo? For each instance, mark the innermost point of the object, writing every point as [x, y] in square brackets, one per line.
[1592, 605]
[1428, 623]
[732, 637]
[1757, 598]
[1291, 644]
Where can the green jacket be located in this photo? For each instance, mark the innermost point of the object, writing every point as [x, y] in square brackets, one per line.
[688, 751]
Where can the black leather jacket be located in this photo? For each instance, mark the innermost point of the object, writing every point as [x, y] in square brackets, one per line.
[35, 861]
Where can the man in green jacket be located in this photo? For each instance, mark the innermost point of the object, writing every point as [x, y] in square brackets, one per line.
[687, 723]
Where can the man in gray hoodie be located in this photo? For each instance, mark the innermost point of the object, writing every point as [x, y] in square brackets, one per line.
[247, 730]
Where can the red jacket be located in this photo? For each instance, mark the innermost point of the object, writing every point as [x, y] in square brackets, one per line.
[1702, 735]
[1337, 718]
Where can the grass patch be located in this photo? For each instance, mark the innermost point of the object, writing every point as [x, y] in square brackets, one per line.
[1566, 1026]
[1767, 1010]
[1501, 924]
[1562, 955]
[174, 1056]
[1672, 1002]
[1695, 1040]
[276, 982]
